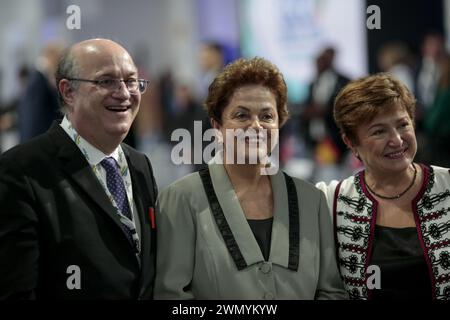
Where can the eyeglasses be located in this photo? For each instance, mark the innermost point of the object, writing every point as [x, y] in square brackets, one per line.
[133, 85]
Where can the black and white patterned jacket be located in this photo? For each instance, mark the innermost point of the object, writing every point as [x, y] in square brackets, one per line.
[354, 212]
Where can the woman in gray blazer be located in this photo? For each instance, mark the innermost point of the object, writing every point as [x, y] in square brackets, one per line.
[241, 229]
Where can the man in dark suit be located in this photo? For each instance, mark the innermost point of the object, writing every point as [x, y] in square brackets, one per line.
[317, 122]
[38, 105]
[76, 204]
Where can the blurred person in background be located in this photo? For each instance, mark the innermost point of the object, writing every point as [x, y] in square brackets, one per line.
[391, 218]
[8, 113]
[395, 58]
[184, 109]
[231, 232]
[427, 76]
[167, 107]
[38, 107]
[317, 118]
[212, 61]
[429, 71]
[317, 125]
[180, 108]
[437, 120]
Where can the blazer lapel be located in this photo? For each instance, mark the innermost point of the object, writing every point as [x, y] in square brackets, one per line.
[76, 166]
[279, 247]
[235, 215]
[143, 200]
[139, 194]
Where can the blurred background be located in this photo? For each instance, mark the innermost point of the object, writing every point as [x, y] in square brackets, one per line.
[180, 45]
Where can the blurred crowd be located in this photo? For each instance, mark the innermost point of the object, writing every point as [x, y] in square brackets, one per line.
[310, 144]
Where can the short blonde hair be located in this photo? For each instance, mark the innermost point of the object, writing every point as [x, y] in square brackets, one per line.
[360, 101]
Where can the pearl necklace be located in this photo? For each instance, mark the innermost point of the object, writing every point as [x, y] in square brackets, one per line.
[397, 196]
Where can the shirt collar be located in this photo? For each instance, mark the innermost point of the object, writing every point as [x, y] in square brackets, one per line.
[93, 155]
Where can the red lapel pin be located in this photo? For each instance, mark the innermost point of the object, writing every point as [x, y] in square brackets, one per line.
[151, 215]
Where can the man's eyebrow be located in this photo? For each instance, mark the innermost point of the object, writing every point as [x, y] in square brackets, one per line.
[112, 74]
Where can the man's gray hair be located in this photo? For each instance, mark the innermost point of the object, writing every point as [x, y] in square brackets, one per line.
[67, 69]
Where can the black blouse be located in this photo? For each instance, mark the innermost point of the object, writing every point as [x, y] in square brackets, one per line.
[404, 272]
[262, 230]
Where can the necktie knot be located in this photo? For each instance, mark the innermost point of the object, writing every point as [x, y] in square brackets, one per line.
[109, 163]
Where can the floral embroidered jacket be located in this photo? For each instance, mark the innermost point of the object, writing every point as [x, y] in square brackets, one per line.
[354, 212]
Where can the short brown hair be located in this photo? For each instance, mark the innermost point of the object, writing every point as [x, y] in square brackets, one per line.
[360, 101]
[255, 71]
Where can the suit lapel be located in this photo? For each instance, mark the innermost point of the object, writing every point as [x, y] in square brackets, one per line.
[142, 200]
[74, 163]
[139, 197]
[234, 215]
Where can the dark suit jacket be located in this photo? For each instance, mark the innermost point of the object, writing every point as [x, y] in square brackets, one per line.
[38, 107]
[54, 213]
[331, 126]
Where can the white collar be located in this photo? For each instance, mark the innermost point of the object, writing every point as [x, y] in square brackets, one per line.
[93, 155]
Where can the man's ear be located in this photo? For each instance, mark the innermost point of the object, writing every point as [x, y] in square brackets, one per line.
[67, 91]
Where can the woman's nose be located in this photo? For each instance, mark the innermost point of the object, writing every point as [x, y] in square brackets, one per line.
[396, 139]
[255, 124]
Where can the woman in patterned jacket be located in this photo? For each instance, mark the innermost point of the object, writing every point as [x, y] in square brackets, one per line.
[392, 219]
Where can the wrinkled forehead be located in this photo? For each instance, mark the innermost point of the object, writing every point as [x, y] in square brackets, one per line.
[94, 60]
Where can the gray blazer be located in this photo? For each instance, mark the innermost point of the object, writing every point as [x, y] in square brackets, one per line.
[193, 261]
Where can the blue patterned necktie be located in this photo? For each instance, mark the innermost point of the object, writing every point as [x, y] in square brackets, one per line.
[116, 187]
